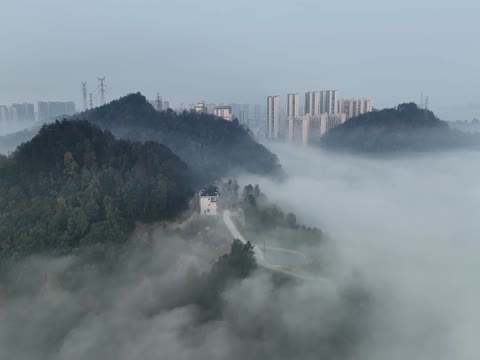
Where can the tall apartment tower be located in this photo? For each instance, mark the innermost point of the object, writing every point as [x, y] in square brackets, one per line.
[292, 106]
[273, 117]
[329, 102]
[312, 103]
[3, 118]
[355, 107]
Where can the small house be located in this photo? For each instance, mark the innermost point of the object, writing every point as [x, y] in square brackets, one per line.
[209, 200]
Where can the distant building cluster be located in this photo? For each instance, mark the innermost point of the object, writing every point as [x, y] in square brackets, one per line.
[322, 111]
[18, 116]
[23, 113]
[52, 109]
[247, 114]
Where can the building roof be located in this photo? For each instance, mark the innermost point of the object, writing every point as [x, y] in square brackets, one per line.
[209, 191]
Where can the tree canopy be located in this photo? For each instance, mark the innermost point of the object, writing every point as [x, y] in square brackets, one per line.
[402, 129]
[74, 184]
[211, 146]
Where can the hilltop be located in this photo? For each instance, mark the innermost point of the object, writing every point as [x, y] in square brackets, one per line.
[211, 146]
[402, 129]
[74, 184]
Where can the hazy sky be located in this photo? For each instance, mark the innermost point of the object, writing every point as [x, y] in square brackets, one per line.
[241, 51]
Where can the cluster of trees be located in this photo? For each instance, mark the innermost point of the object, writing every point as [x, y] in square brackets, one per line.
[262, 216]
[239, 264]
[74, 184]
[402, 129]
[211, 146]
[9, 142]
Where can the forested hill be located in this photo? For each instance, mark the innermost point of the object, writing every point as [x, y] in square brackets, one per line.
[211, 146]
[74, 184]
[402, 129]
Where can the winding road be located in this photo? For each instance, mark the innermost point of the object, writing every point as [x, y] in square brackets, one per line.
[259, 253]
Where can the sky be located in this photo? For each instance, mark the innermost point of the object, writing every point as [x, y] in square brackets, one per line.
[242, 51]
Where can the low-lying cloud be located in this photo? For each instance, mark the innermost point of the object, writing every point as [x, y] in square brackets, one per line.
[403, 286]
[410, 226]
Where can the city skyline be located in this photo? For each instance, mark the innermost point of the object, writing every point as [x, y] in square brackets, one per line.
[392, 66]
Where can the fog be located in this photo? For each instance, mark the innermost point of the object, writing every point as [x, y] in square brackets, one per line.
[410, 226]
[8, 127]
[404, 227]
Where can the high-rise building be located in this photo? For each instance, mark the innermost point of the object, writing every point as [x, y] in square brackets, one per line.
[241, 112]
[273, 117]
[312, 103]
[3, 118]
[335, 120]
[257, 120]
[329, 102]
[225, 112]
[12, 115]
[244, 115]
[318, 127]
[52, 109]
[302, 130]
[24, 112]
[299, 130]
[292, 106]
[355, 107]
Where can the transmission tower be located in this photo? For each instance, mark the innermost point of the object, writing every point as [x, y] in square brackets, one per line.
[102, 89]
[91, 101]
[84, 94]
[159, 102]
[427, 103]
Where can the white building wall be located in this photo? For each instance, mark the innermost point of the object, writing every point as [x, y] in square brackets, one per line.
[329, 102]
[208, 205]
[335, 120]
[356, 107]
[273, 117]
[312, 103]
[292, 105]
[200, 108]
[3, 118]
[224, 112]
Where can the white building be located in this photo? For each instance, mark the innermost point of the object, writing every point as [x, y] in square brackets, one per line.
[318, 126]
[312, 103]
[273, 117]
[208, 200]
[200, 107]
[329, 102]
[3, 118]
[54, 109]
[335, 120]
[225, 112]
[302, 130]
[355, 107]
[292, 106]
[299, 130]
